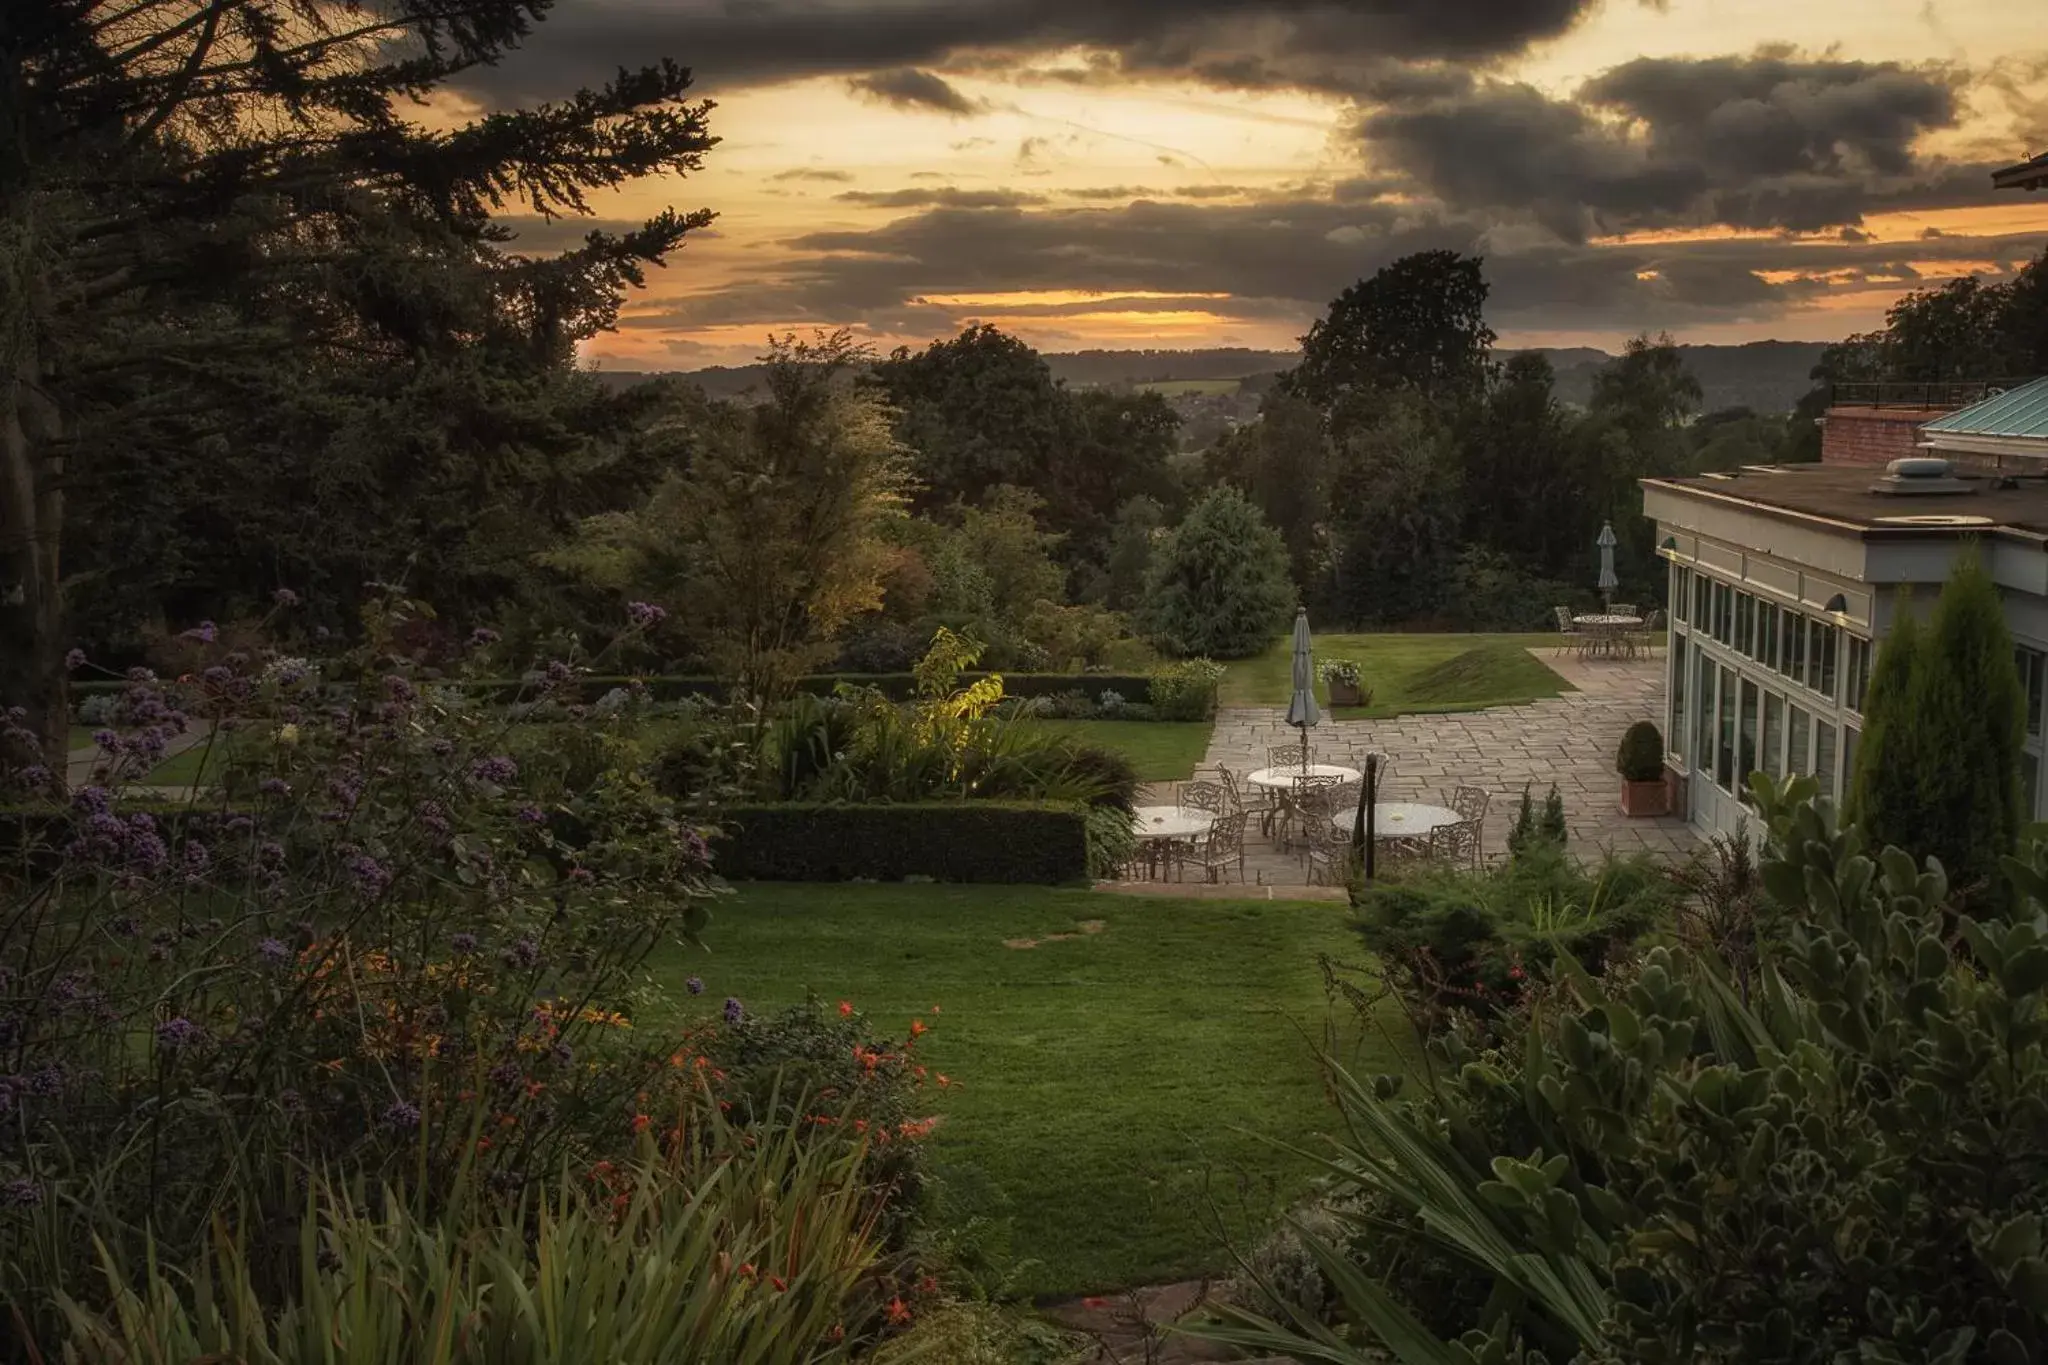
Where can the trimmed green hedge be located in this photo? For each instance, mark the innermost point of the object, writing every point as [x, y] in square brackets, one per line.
[675, 687]
[954, 841]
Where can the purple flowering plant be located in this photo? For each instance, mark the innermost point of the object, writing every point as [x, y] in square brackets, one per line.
[202, 990]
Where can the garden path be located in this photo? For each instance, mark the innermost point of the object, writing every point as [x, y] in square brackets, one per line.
[79, 764]
[1568, 739]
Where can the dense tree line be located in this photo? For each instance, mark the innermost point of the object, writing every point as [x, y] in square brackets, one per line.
[262, 331]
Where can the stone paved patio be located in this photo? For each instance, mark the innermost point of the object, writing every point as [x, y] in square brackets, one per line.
[1569, 740]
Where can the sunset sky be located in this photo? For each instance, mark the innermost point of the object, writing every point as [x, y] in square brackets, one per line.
[1142, 173]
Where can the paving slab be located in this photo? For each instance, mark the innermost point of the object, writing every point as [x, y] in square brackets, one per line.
[1569, 740]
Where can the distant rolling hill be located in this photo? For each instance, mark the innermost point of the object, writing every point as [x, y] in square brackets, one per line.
[1768, 376]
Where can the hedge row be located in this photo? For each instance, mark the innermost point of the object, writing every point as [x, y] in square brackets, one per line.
[897, 686]
[956, 841]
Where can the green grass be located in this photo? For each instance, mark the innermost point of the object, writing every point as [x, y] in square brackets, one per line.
[1409, 673]
[1110, 1086]
[1162, 750]
[1172, 388]
[200, 762]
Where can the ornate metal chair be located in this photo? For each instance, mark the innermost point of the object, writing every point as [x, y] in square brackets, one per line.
[1220, 849]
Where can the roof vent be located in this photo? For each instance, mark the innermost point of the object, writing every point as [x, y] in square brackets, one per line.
[1917, 475]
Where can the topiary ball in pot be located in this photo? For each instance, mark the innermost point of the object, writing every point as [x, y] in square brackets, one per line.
[1640, 761]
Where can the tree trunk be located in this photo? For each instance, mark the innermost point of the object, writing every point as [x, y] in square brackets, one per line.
[32, 645]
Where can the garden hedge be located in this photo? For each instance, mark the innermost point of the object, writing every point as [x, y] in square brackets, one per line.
[1135, 687]
[956, 841]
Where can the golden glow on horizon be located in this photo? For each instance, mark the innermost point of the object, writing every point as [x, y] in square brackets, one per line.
[790, 152]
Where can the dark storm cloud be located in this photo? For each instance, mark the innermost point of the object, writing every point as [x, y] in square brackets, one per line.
[1764, 141]
[1334, 45]
[945, 197]
[906, 87]
[1286, 258]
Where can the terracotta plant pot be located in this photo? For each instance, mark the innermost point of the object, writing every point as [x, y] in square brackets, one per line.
[1344, 694]
[1646, 798]
[1674, 793]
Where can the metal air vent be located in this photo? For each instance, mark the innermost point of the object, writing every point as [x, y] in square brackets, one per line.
[1936, 519]
[1917, 475]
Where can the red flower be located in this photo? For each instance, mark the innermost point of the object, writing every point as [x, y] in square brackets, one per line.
[928, 1285]
[640, 1122]
[776, 1280]
[845, 1008]
[899, 1312]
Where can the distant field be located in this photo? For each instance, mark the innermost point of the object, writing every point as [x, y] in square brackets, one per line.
[1174, 388]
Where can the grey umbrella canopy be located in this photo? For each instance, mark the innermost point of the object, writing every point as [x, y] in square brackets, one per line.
[1302, 710]
[1608, 582]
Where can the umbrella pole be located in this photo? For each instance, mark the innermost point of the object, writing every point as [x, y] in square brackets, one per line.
[1366, 801]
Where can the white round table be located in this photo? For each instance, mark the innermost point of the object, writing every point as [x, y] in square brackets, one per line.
[1400, 819]
[1171, 822]
[1282, 779]
[1608, 633]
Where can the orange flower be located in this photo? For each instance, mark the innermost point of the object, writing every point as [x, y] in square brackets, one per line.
[935, 1009]
[916, 1027]
[899, 1312]
[944, 1080]
[845, 1008]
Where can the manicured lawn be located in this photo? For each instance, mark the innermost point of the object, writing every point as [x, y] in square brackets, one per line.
[1111, 1088]
[1163, 750]
[1409, 673]
[182, 769]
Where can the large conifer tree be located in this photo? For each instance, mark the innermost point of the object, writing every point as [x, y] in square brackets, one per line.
[1884, 791]
[1938, 771]
[198, 194]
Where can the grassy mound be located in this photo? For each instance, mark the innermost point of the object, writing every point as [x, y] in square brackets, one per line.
[1477, 675]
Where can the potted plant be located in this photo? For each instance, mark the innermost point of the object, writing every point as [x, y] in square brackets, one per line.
[1344, 684]
[1640, 762]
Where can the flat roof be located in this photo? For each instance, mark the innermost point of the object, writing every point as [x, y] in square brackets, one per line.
[2020, 413]
[1840, 496]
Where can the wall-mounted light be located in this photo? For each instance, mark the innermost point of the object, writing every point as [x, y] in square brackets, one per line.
[1837, 604]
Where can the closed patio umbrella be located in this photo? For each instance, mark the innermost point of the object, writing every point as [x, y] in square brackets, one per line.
[1608, 582]
[1302, 711]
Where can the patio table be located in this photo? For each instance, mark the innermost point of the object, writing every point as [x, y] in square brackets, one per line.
[1607, 632]
[1400, 819]
[1282, 779]
[1159, 828]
